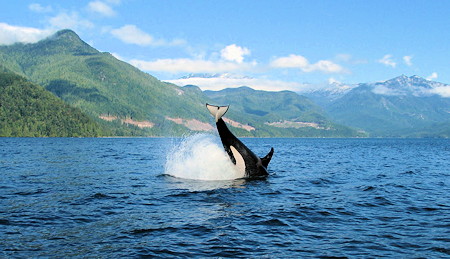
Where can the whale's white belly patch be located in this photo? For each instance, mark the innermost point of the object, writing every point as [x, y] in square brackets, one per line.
[240, 163]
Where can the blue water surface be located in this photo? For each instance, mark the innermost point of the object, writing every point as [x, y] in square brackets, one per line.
[111, 198]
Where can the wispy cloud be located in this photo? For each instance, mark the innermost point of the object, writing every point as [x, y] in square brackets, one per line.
[433, 76]
[231, 59]
[38, 8]
[131, 34]
[383, 90]
[388, 61]
[439, 89]
[347, 58]
[119, 57]
[443, 91]
[408, 60]
[185, 65]
[116, 2]
[292, 61]
[101, 8]
[332, 80]
[300, 62]
[10, 34]
[70, 20]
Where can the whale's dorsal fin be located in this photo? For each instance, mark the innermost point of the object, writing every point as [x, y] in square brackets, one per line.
[217, 111]
[266, 160]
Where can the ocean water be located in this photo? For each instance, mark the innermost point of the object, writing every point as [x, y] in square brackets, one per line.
[161, 197]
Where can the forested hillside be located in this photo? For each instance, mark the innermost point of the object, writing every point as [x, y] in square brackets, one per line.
[129, 102]
[282, 113]
[103, 86]
[28, 110]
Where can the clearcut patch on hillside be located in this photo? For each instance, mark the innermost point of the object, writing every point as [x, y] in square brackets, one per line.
[129, 121]
[295, 124]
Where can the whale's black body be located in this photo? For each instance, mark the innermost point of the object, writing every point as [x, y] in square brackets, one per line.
[247, 163]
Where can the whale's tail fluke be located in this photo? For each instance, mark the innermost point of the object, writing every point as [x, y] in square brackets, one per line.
[266, 160]
[217, 111]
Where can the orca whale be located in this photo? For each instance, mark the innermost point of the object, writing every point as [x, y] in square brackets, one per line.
[247, 163]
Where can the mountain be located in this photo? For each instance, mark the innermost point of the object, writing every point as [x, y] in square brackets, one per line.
[28, 110]
[270, 106]
[127, 101]
[285, 111]
[325, 95]
[399, 107]
[102, 86]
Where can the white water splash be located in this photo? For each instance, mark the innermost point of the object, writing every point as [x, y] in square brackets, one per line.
[200, 157]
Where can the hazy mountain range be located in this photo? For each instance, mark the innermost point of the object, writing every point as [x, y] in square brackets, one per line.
[402, 106]
[123, 100]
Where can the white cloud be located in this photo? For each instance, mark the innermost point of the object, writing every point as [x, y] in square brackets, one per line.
[438, 88]
[292, 61]
[443, 91]
[219, 83]
[39, 8]
[101, 8]
[332, 80]
[347, 58]
[69, 21]
[408, 60]
[190, 65]
[119, 57]
[10, 34]
[433, 76]
[344, 57]
[231, 59]
[300, 62]
[116, 2]
[325, 66]
[175, 42]
[234, 53]
[383, 90]
[387, 61]
[133, 35]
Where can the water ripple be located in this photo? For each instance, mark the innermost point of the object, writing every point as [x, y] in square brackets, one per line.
[325, 198]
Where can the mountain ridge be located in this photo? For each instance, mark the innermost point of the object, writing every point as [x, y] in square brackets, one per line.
[128, 101]
[121, 97]
[399, 107]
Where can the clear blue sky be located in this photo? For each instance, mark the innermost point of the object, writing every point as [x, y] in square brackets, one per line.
[280, 44]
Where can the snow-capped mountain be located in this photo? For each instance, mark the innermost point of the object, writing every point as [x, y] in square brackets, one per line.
[403, 85]
[402, 106]
[326, 94]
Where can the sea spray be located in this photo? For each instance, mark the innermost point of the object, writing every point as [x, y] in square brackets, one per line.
[200, 157]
